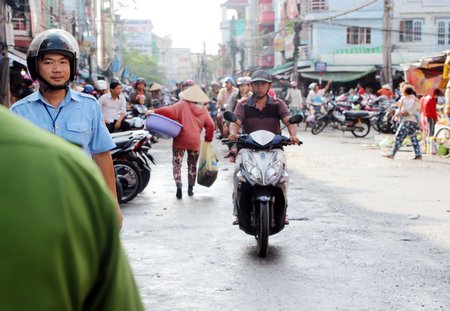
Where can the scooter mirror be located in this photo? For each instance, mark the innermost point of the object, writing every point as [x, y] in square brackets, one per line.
[229, 116]
[296, 119]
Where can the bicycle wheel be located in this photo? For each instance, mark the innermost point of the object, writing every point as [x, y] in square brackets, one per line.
[443, 142]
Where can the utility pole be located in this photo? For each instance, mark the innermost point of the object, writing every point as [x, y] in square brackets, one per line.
[297, 29]
[387, 43]
[4, 68]
[233, 45]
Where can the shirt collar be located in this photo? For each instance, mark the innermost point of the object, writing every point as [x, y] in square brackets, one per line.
[70, 95]
[251, 100]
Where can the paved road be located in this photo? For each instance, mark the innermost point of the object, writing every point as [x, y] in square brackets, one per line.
[366, 233]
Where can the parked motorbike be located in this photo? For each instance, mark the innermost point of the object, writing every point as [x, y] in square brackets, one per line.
[386, 120]
[136, 117]
[261, 198]
[355, 121]
[131, 160]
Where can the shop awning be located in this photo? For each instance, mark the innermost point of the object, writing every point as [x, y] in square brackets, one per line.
[339, 73]
[285, 70]
[281, 69]
[18, 57]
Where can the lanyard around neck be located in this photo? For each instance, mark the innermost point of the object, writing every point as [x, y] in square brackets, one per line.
[53, 120]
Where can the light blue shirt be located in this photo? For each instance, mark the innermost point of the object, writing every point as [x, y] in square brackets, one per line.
[78, 119]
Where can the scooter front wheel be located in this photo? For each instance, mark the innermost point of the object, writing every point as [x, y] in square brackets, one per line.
[262, 229]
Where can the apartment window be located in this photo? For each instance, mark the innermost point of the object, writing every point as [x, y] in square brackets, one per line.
[358, 35]
[443, 32]
[20, 24]
[316, 6]
[410, 30]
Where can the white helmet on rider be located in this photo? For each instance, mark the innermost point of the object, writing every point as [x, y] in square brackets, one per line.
[101, 85]
[312, 85]
[243, 80]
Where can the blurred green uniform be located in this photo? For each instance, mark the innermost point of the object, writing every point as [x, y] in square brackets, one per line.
[59, 241]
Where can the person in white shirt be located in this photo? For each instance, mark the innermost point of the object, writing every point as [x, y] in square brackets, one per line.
[294, 98]
[222, 100]
[114, 108]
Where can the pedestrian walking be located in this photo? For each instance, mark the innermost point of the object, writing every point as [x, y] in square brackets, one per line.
[52, 59]
[60, 240]
[194, 117]
[408, 111]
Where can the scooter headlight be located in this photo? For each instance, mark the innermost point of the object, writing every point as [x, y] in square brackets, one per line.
[251, 169]
[274, 169]
[263, 168]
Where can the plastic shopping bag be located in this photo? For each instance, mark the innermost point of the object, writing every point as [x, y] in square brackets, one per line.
[207, 166]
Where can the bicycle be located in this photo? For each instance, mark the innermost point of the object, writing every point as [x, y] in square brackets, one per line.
[442, 142]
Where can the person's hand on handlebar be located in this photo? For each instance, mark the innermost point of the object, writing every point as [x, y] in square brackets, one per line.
[232, 137]
[294, 140]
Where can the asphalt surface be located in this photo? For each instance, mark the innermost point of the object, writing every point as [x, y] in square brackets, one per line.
[365, 233]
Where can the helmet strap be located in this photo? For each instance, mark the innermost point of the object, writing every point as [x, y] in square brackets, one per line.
[261, 97]
[50, 87]
[266, 94]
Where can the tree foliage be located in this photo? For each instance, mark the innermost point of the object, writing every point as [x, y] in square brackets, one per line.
[143, 66]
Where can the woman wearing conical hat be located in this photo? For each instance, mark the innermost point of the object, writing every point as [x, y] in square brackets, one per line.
[193, 115]
[157, 100]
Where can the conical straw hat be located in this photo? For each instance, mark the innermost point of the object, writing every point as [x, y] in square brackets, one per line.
[194, 94]
[386, 86]
[155, 87]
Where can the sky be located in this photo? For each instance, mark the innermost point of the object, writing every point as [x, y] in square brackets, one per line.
[189, 23]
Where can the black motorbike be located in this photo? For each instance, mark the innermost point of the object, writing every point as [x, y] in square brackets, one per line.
[131, 160]
[355, 121]
[261, 197]
[386, 119]
[136, 117]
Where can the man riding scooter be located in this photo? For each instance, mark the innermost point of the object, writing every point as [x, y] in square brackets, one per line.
[259, 112]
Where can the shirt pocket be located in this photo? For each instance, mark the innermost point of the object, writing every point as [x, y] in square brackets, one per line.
[79, 133]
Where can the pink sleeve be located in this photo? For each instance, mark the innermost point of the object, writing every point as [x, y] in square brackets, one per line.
[170, 112]
[209, 127]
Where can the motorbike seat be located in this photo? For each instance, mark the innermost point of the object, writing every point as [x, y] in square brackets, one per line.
[121, 141]
[353, 114]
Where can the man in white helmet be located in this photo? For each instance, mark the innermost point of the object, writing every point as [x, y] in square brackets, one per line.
[101, 86]
[294, 98]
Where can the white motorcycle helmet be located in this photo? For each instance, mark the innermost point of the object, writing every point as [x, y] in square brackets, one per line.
[101, 85]
[137, 122]
[312, 86]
